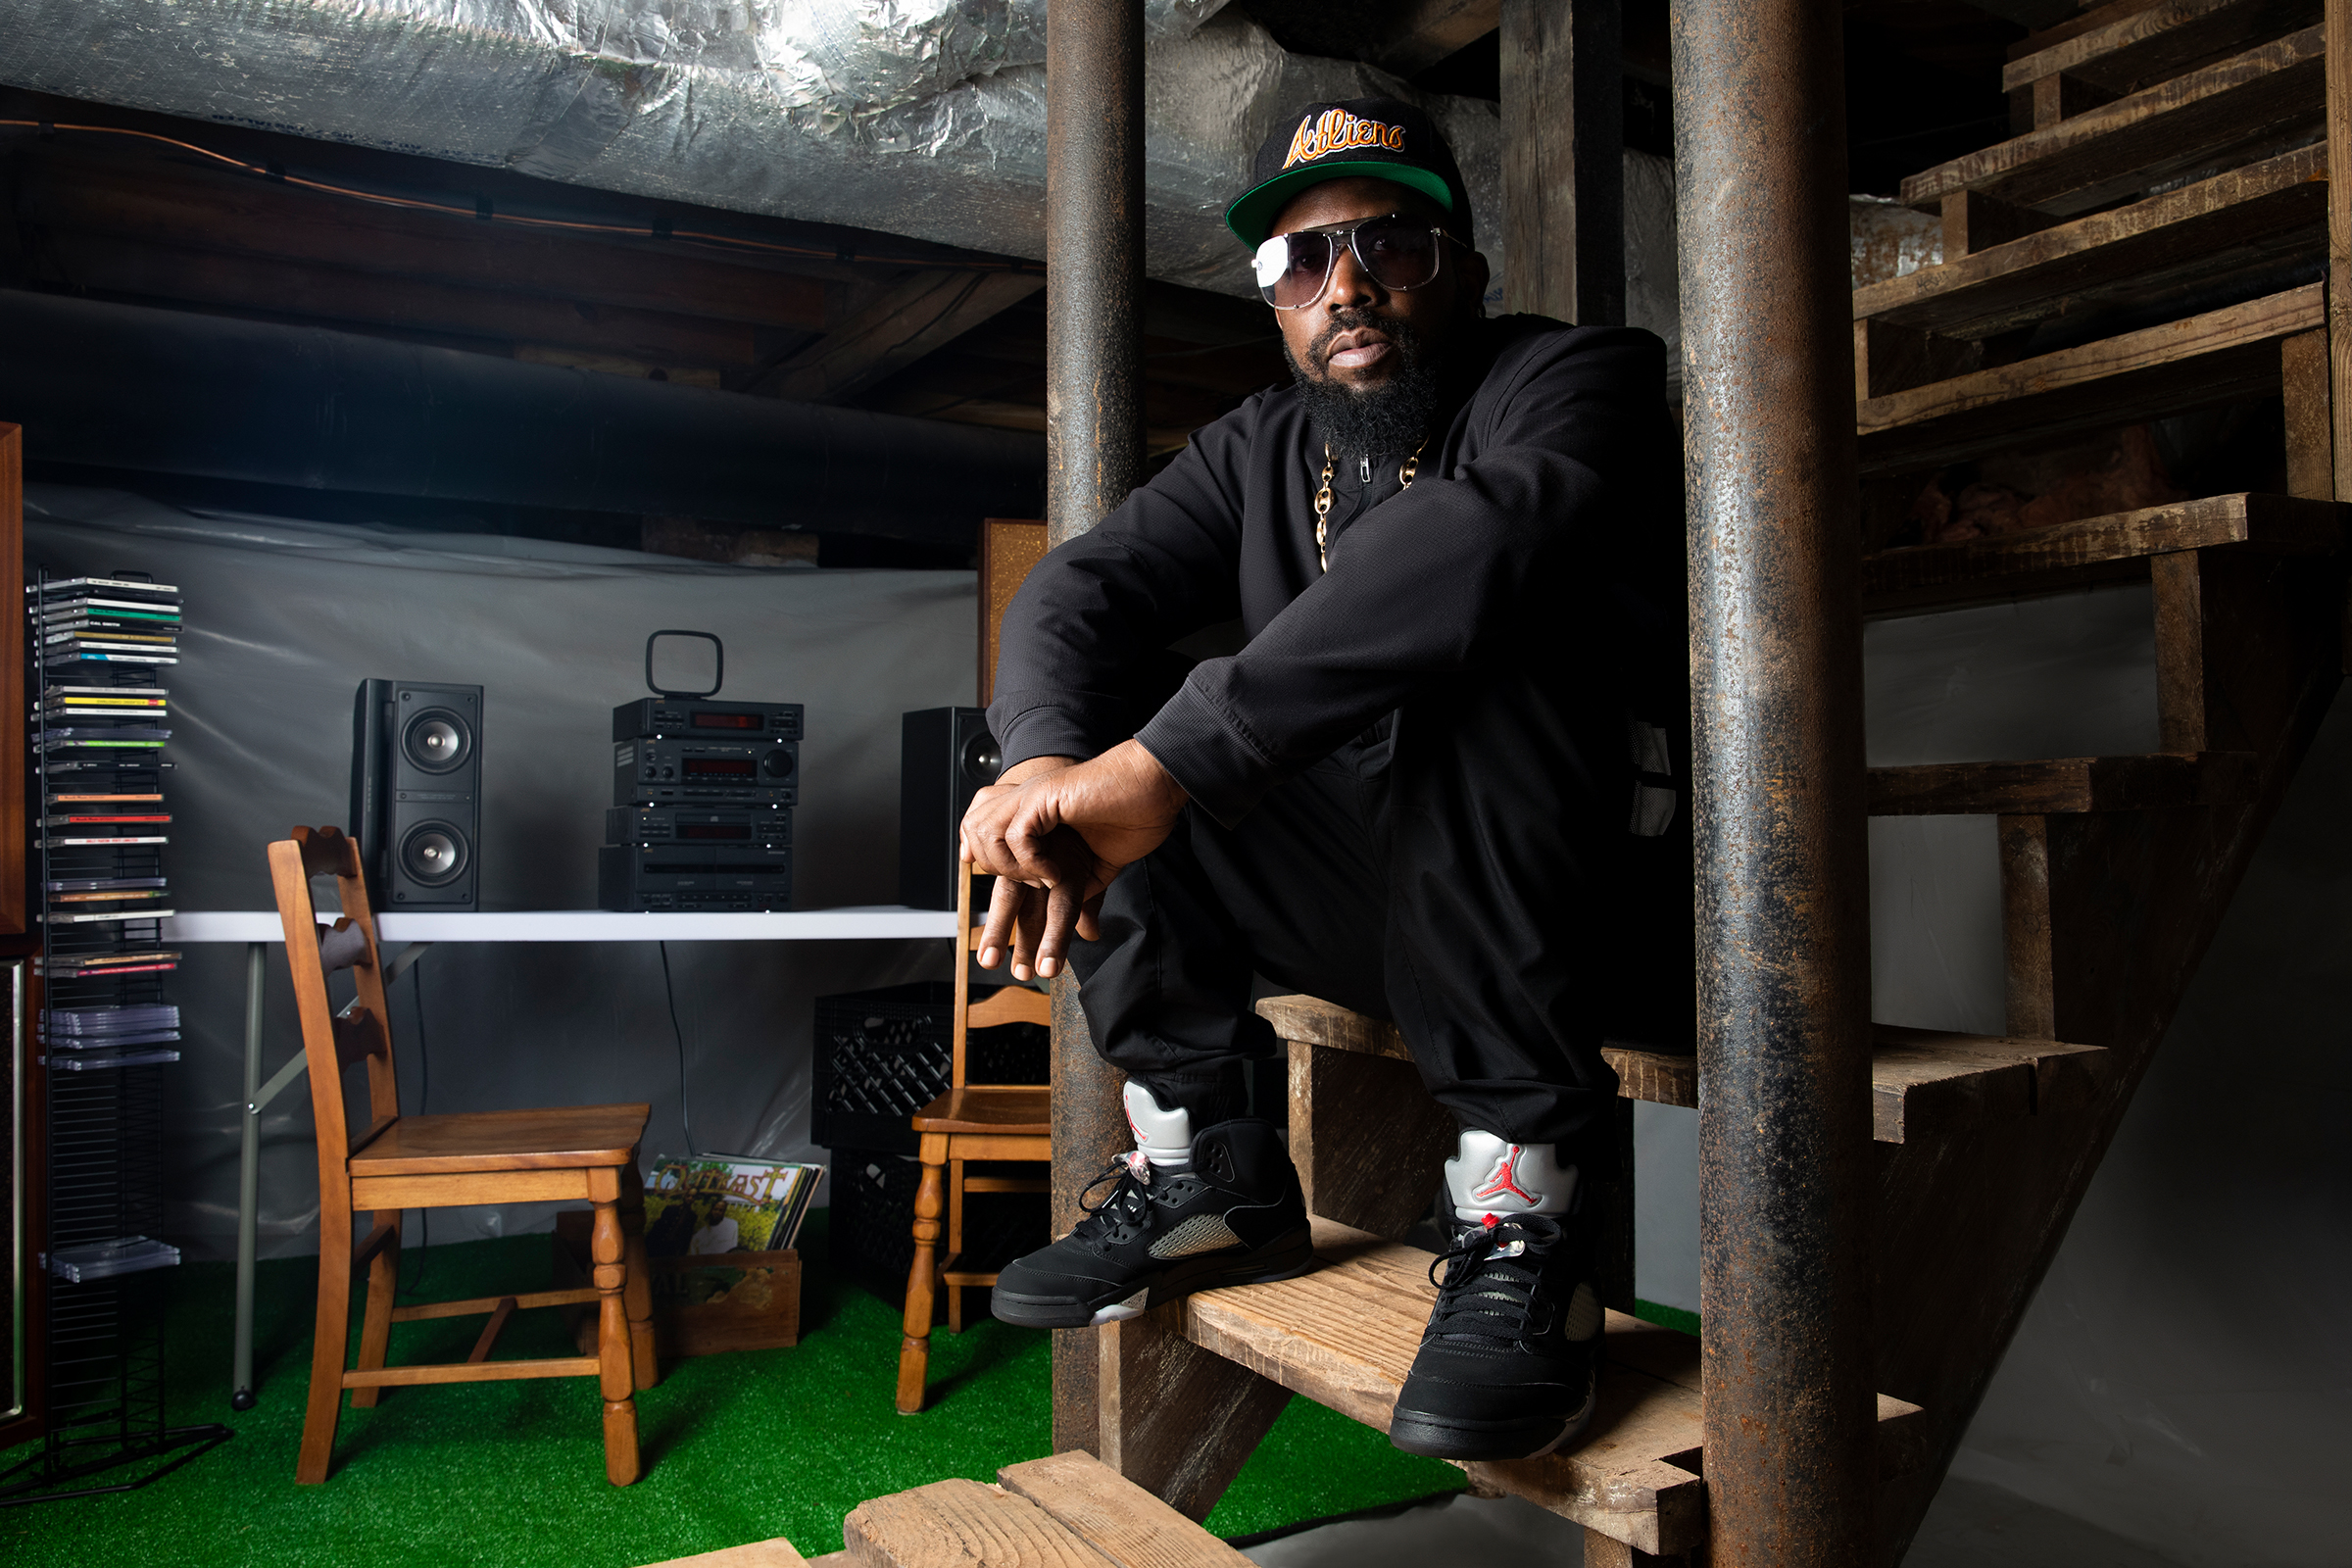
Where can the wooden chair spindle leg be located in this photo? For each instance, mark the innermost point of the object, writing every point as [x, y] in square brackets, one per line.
[914, 1348]
[613, 1349]
[637, 1297]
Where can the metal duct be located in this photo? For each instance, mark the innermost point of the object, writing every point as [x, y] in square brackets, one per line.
[171, 391]
[923, 118]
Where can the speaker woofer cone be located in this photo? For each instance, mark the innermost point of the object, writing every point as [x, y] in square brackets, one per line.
[433, 853]
[436, 740]
[983, 759]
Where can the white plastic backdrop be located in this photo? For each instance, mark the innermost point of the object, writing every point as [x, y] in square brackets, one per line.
[285, 618]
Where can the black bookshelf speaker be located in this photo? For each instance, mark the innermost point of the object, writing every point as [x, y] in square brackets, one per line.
[416, 792]
[946, 756]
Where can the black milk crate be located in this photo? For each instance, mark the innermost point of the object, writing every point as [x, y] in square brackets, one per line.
[870, 1231]
[884, 1055]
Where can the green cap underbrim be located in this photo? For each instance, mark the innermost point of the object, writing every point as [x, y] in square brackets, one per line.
[1252, 215]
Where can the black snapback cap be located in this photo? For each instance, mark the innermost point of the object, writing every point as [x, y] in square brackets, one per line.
[1361, 138]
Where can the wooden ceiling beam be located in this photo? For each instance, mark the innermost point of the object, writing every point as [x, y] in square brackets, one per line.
[245, 216]
[1428, 30]
[915, 317]
[333, 295]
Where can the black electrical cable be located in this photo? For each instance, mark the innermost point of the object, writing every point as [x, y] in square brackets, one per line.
[685, 1116]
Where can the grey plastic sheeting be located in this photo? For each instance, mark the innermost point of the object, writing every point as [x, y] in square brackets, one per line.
[2182, 1378]
[285, 618]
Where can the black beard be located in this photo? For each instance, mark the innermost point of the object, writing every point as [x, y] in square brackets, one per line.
[1379, 421]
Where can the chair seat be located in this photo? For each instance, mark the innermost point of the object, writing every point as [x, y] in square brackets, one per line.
[1005, 1109]
[568, 1138]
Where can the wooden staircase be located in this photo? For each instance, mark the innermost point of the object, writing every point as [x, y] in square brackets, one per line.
[2166, 180]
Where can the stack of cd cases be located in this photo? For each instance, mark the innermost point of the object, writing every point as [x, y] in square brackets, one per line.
[99, 738]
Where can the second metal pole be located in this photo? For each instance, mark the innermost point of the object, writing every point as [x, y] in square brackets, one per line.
[1784, 940]
[1094, 455]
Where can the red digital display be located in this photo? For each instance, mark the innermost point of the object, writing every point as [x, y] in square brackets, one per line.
[729, 721]
[715, 830]
[718, 767]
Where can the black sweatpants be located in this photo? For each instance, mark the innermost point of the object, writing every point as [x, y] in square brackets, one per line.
[1468, 869]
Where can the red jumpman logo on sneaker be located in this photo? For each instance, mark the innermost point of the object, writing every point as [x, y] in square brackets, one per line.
[1504, 1180]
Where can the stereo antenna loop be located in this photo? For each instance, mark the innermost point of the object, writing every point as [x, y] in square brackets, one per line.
[718, 673]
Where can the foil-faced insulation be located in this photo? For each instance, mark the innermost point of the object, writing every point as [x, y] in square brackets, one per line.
[923, 117]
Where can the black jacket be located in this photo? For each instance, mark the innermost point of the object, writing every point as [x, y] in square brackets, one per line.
[1537, 527]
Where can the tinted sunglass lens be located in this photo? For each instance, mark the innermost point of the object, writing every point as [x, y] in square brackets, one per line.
[1397, 252]
[1306, 270]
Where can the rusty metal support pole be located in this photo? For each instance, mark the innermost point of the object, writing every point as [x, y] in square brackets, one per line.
[1783, 1049]
[1094, 455]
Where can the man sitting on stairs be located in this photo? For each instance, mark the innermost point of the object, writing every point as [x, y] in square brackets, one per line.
[1436, 785]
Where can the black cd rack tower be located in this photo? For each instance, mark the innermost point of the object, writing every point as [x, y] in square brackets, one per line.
[107, 1030]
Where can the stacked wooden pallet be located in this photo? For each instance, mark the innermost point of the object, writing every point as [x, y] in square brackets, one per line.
[1068, 1511]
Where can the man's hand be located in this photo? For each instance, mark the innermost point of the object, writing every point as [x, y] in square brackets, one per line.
[1054, 833]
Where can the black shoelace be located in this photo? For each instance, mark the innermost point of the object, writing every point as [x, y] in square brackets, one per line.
[1121, 1215]
[1493, 1285]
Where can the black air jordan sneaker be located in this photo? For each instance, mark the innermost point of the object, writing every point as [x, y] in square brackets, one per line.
[1234, 1217]
[1510, 1361]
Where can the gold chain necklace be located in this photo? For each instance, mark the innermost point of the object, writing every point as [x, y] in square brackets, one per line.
[1405, 472]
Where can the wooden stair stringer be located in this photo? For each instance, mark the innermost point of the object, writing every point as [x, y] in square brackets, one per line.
[2128, 904]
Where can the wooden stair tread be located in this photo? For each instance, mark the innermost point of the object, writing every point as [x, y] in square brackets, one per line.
[2158, 42]
[1006, 1109]
[1067, 1511]
[2259, 216]
[2114, 547]
[1922, 1081]
[2257, 98]
[2203, 360]
[1116, 1517]
[2061, 784]
[567, 1138]
[1344, 1335]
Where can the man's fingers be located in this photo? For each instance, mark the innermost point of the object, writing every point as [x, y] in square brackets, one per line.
[1026, 932]
[1089, 919]
[1061, 913]
[1003, 903]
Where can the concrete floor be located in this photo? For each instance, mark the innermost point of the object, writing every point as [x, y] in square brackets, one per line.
[1971, 1525]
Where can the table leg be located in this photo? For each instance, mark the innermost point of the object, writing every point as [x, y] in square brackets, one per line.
[249, 1177]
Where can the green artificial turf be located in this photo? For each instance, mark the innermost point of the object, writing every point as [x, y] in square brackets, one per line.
[511, 1475]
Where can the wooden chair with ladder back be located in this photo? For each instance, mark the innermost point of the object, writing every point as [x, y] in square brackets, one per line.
[970, 1121]
[399, 1162]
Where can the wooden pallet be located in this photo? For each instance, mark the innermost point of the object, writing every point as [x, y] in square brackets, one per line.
[2218, 357]
[2116, 548]
[1344, 1335]
[2059, 785]
[2266, 98]
[1919, 1079]
[1067, 1511]
[2245, 221]
[2146, 44]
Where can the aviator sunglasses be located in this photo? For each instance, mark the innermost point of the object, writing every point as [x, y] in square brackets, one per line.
[1396, 251]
